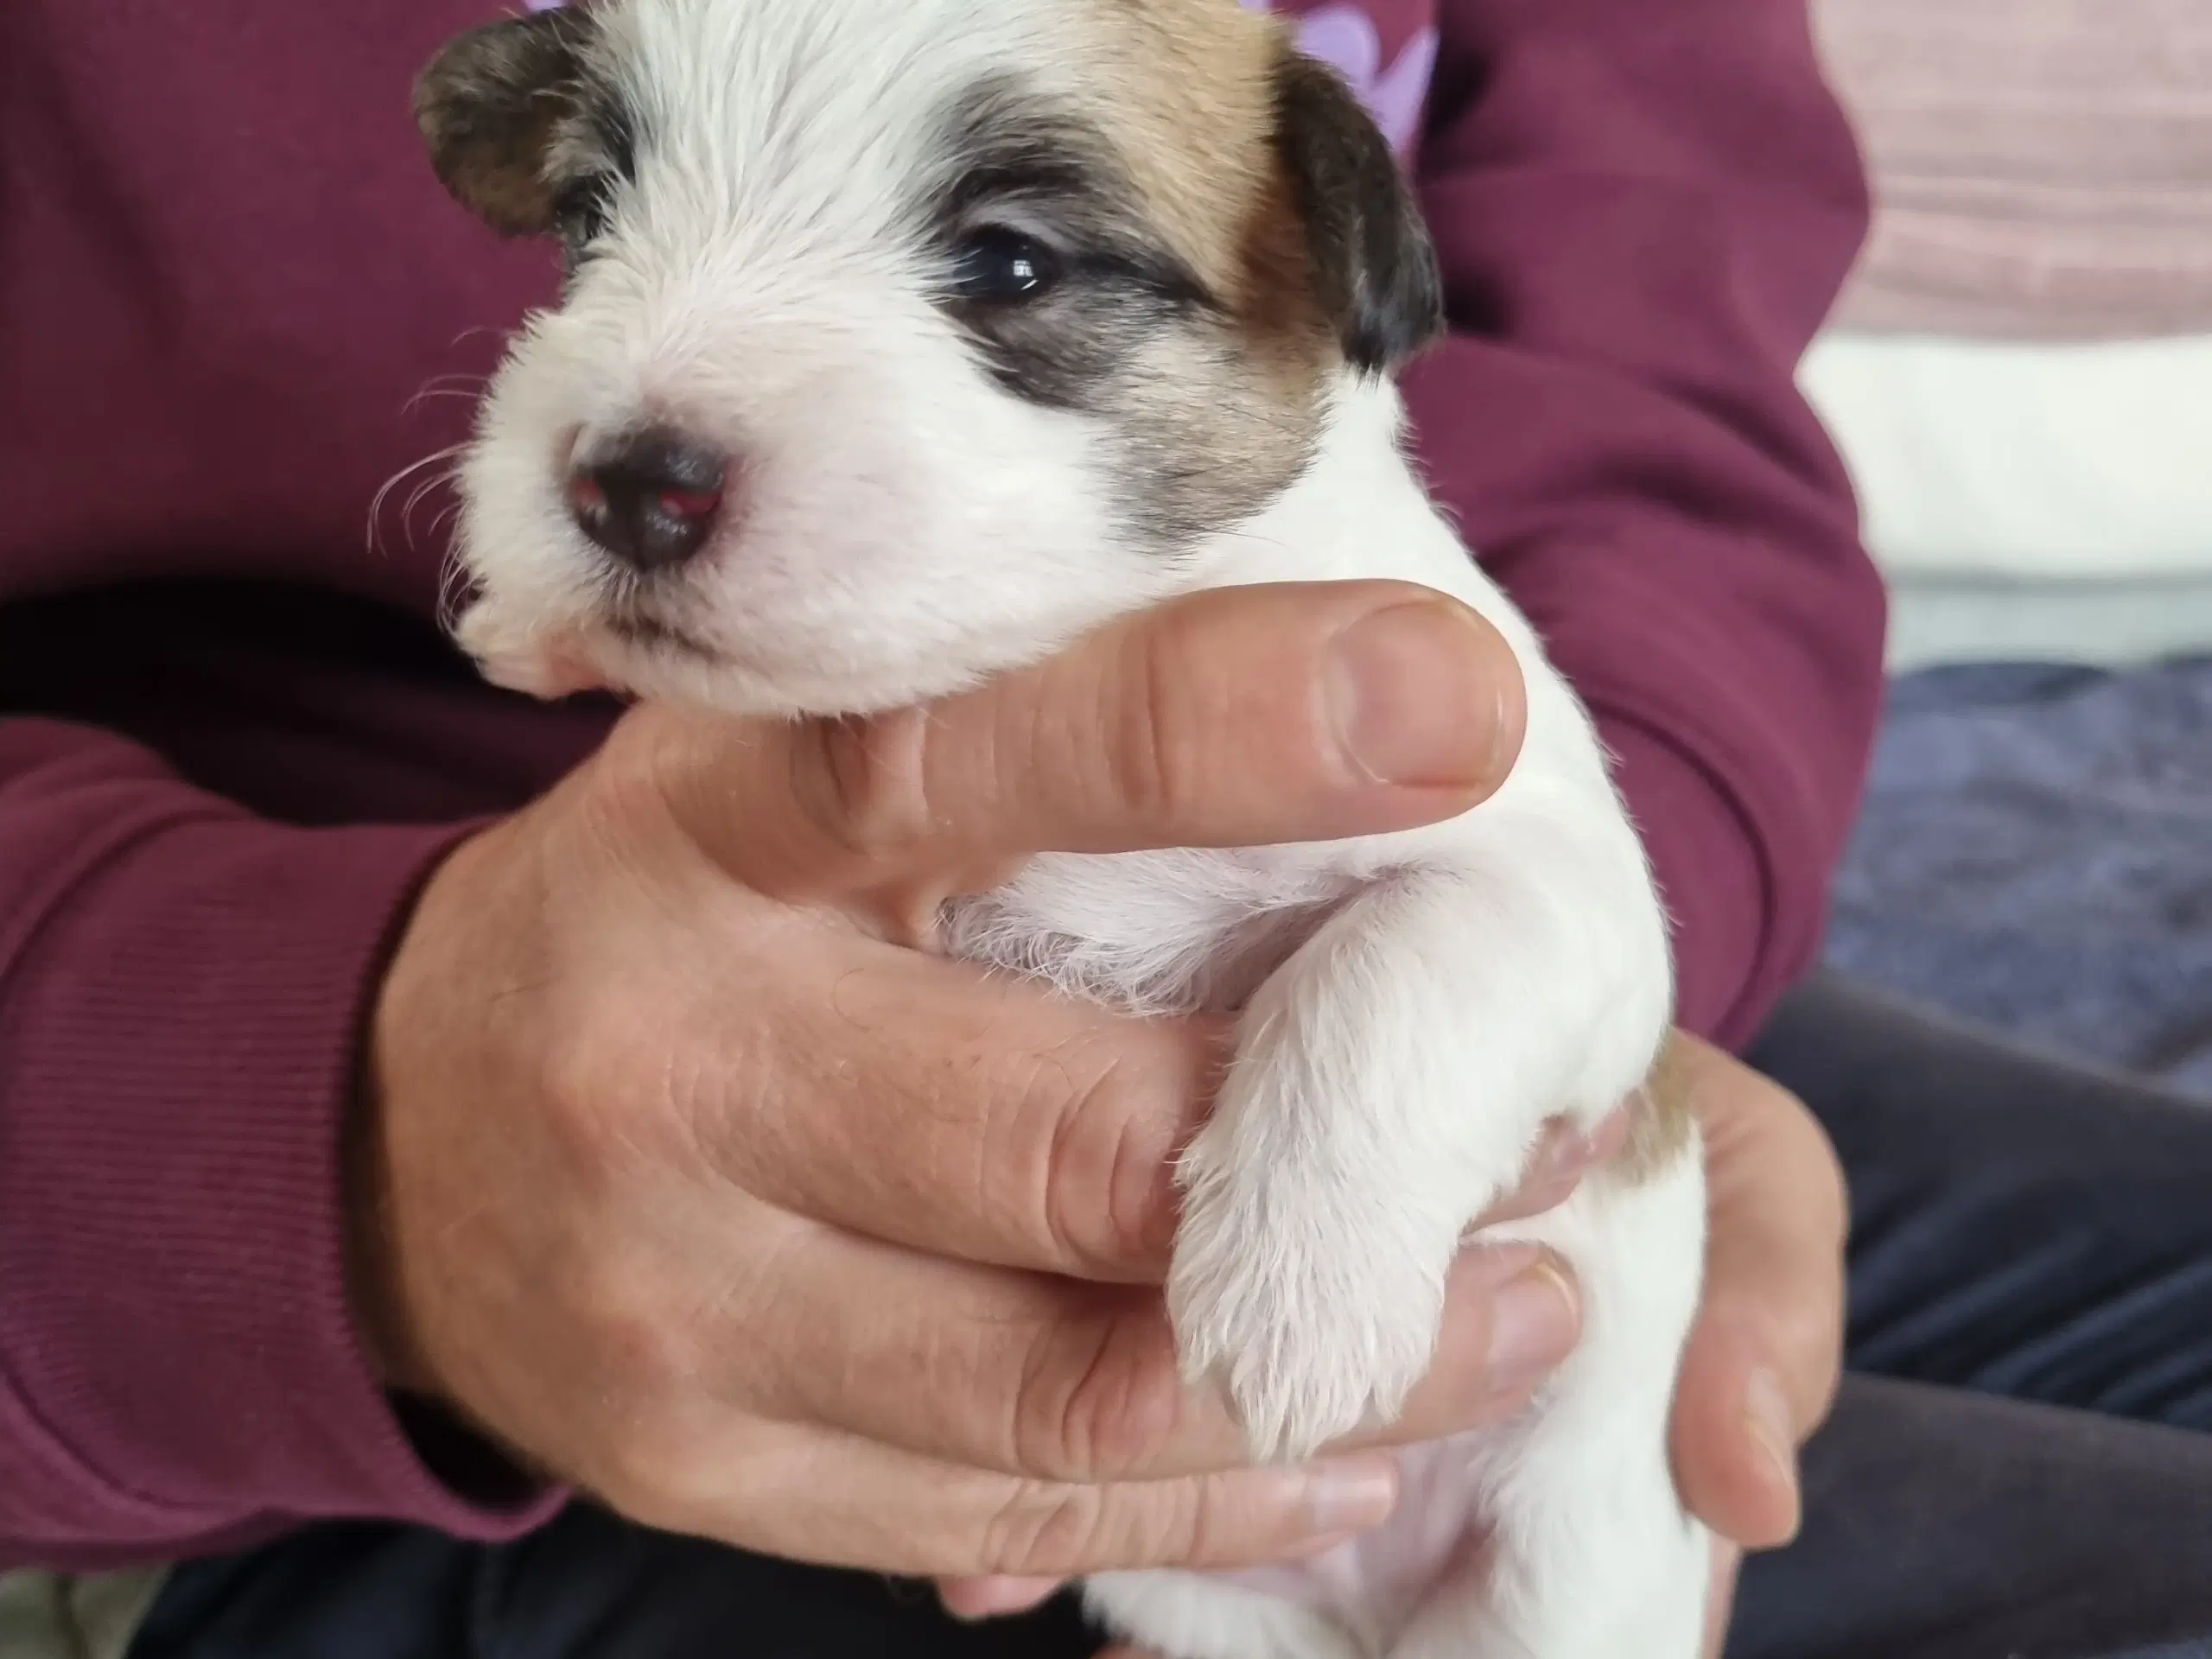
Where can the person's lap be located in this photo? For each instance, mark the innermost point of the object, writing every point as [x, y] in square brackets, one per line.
[2020, 1229]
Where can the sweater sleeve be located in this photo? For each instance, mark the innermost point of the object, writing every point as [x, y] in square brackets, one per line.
[181, 991]
[1642, 212]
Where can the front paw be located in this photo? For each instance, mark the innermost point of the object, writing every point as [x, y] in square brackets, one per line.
[1314, 1304]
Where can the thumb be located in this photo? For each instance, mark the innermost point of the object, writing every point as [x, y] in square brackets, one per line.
[1235, 717]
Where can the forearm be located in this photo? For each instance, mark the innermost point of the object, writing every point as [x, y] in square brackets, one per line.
[1643, 215]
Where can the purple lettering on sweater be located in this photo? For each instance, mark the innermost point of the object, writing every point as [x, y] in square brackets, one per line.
[1346, 38]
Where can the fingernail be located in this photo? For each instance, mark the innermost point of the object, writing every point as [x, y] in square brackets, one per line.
[1350, 1495]
[1409, 692]
[1320, 1546]
[1493, 1267]
[1767, 1413]
[1534, 1320]
[1565, 1157]
[995, 1598]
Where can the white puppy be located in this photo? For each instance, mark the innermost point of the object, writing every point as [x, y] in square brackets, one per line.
[905, 340]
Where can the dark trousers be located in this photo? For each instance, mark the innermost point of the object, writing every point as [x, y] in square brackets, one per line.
[2019, 1467]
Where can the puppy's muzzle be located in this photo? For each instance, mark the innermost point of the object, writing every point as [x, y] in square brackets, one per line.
[648, 497]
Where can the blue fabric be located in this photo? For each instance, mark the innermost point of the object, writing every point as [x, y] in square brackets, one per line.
[2036, 853]
[2021, 1466]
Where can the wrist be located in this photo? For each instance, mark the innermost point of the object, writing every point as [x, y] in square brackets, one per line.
[372, 1275]
[403, 1020]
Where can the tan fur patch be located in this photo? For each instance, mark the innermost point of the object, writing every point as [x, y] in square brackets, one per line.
[1661, 1119]
[1186, 96]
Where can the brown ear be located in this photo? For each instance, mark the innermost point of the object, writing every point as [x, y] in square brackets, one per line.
[487, 107]
[1374, 271]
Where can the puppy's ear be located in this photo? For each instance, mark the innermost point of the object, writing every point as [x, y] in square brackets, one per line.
[488, 106]
[1374, 271]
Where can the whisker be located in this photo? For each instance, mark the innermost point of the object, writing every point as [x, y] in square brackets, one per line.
[438, 458]
[468, 386]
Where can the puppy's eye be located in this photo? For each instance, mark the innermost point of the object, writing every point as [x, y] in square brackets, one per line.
[1003, 267]
[580, 209]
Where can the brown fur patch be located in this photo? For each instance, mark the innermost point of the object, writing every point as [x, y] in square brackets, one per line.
[487, 107]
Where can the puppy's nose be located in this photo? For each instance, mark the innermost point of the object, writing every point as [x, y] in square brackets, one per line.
[650, 498]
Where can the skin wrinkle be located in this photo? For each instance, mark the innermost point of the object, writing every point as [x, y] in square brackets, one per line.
[1058, 1202]
[1073, 1453]
[1094, 1100]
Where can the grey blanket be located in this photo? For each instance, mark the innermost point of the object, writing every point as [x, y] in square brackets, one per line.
[2036, 854]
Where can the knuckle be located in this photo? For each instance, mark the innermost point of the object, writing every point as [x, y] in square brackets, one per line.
[1045, 1530]
[1141, 1202]
[640, 1354]
[1199, 1523]
[655, 1476]
[1827, 1201]
[1150, 768]
[1099, 1401]
[1060, 1531]
[575, 1073]
[624, 1081]
[1110, 1123]
[635, 1478]
[584, 1093]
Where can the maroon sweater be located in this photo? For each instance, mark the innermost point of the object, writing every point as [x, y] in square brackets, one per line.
[231, 743]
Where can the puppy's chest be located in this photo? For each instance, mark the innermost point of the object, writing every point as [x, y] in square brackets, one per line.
[1156, 931]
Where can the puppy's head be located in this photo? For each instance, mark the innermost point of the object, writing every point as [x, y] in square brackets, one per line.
[901, 338]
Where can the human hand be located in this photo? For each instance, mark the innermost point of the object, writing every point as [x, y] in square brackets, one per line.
[1762, 1364]
[686, 1181]
[1766, 1353]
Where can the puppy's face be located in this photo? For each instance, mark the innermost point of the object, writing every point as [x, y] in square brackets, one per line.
[902, 339]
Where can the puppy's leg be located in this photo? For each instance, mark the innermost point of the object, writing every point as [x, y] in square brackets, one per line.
[1591, 1555]
[1390, 1083]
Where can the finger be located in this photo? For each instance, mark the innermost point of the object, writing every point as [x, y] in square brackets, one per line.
[993, 1598]
[1761, 1367]
[968, 1115]
[997, 1598]
[985, 1118]
[1235, 717]
[1719, 1597]
[852, 1502]
[1037, 1377]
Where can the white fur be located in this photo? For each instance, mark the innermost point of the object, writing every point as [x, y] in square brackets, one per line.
[1424, 1001]
[1470, 980]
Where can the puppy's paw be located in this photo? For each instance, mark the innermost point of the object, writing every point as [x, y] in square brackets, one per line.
[1308, 1301]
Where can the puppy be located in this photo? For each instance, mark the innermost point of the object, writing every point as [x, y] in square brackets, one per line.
[903, 341]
